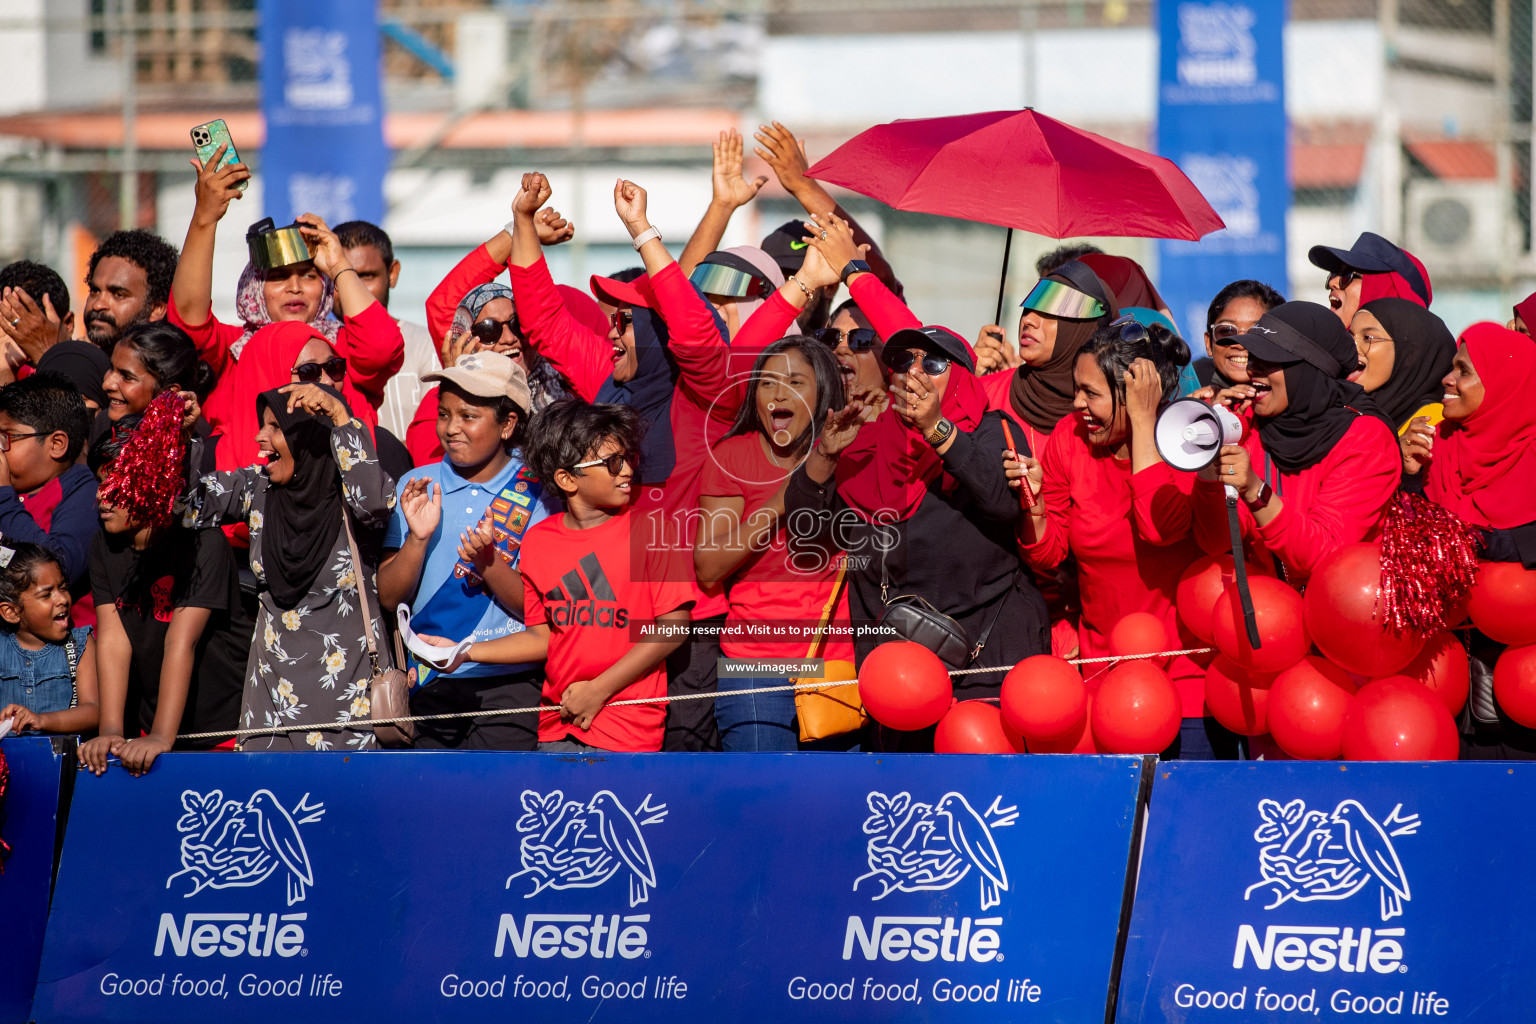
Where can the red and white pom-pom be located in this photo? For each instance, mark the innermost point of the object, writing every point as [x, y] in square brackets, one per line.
[1428, 565]
[146, 477]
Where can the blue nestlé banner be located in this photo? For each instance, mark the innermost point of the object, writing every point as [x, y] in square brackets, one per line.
[1363, 892]
[29, 820]
[470, 887]
[1221, 118]
[322, 102]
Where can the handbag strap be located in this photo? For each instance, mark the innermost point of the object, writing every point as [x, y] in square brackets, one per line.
[362, 592]
[996, 614]
[818, 639]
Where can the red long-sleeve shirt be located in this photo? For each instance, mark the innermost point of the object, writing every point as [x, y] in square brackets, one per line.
[1110, 518]
[370, 342]
[704, 402]
[1338, 501]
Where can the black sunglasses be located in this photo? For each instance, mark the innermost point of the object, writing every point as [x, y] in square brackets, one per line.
[309, 373]
[1344, 276]
[488, 331]
[621, 320]
[902, 359]
[613, 463]
[1132, 331]
[860, 339]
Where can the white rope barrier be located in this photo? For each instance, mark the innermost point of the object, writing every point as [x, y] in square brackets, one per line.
[366, 724]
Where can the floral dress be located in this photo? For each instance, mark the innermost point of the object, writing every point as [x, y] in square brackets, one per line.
[309, 664]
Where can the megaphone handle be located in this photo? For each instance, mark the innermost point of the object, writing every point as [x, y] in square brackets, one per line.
[1250, 620]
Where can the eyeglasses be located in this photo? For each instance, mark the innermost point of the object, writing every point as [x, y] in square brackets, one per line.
[621, 320]
[309, 373]
[488, 331]
[902, 359]
[860, 339]
[613, 463]
[1344, 278]
[10, 437]
[1225, 332]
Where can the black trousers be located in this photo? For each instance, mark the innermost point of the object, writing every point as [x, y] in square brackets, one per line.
[446, 694]
[692, 668]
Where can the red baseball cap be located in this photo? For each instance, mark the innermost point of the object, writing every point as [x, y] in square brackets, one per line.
[624, 293]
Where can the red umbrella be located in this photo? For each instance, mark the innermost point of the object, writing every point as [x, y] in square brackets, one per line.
[1021, 169]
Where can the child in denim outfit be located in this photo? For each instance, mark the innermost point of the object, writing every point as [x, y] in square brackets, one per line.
[47, 669]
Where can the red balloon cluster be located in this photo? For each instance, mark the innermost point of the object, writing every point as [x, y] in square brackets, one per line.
[1136, 710]
[1307, 704]
[1238, 699]
[1079, 740]
[1399, 719]
[1443, 667]
[1199, 588]
[1342, 614]
[1140, 633]
[1044, 699]
[1278, 613]
[905, 686]
[974, 727]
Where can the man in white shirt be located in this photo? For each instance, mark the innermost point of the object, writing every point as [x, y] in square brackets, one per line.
[373, 257]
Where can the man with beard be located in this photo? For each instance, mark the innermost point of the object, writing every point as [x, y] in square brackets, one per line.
[129, 282]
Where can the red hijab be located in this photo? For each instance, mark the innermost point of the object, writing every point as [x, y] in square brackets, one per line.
[1484, 469]
[889, 466]
[1392, 285]
[1126, 278]
[1525, 309]
[266, 363]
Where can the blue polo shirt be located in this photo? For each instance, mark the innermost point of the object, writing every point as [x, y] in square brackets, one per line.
[444, 605]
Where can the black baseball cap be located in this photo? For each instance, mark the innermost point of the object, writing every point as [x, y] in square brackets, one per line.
[937, 339]
[784, 246]
[1372, 254]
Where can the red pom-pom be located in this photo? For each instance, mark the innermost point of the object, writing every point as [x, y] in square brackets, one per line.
[1428, 565]
[146, 477]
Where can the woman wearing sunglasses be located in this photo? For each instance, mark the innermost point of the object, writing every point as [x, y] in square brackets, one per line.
[1235, 309]
[312, 292]
[919, 500]
[1097, 492]
[1373, 268]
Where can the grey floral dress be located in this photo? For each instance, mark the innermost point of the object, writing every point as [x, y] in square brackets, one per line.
[309, 664]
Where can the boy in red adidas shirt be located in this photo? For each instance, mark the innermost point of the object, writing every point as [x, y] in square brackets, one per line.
[602, 605]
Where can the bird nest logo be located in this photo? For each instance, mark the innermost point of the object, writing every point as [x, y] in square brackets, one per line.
[571, 845]
[230, 845]
[915, 846]
[1314, 855]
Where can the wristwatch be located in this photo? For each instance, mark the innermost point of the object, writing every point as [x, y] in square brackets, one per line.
[854, 267]
[1265, 493]
[940, 432]
[645, 236]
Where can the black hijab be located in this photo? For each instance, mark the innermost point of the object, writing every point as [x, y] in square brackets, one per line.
[1042, 395]
[83, 364]
[302, 517]
[1423, 349]
[1317, 354]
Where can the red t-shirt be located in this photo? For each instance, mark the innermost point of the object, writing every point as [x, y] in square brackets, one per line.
[766, 589]
[596, 589]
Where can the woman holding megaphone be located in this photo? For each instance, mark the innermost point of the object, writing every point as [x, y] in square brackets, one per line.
[1100, 492]
[1337, 462]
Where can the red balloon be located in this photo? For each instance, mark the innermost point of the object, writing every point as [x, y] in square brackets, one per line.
[1307, 703]
[1238, 699]
[973, 727]
[1442, 666]
[1341, 614]
[1140, 633]
[1199, 587]
[1136, 711]
[905, 686]
[1078, 739]
[1514, 684]
[1399, 719]
[1503, 603]
[1282, 637]
[1044, 697]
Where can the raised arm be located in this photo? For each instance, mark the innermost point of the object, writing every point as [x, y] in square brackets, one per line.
[784, 153]
[192, 288]
[731, 191]
[366, 488]
[887, 314]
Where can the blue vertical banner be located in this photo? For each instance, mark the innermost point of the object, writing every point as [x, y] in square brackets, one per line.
[29, 823]
[324, 110]
[1221, 118]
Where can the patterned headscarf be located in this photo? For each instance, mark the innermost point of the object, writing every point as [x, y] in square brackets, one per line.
[544, 382]
[251, 305]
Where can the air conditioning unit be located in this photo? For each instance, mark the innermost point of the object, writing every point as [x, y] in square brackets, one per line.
[1465, 224]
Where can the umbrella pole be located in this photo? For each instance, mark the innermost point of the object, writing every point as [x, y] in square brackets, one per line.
[1002, 285]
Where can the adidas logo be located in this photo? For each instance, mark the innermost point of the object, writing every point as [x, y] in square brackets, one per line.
[585, 598]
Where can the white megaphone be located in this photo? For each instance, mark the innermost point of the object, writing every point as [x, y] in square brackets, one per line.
[1189, 437]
